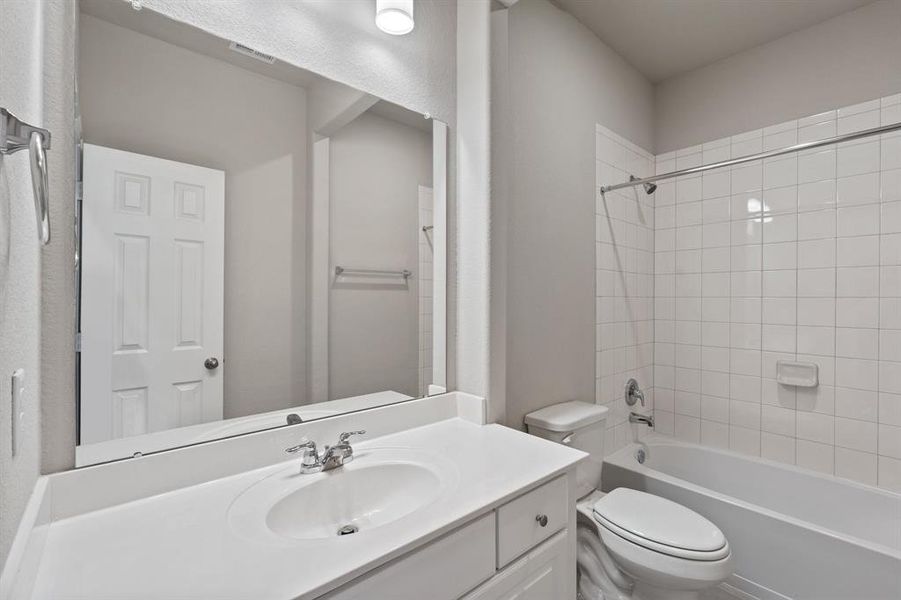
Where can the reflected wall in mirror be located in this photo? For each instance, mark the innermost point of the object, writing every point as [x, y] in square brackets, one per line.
[259, 245]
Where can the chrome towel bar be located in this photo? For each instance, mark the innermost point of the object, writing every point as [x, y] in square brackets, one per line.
[17, 135]
[406, 273]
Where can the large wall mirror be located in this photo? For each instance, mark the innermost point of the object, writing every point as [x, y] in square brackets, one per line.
[258, 245]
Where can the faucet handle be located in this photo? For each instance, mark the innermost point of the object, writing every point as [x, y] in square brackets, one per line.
[302, 446]
[310, 452]
[309, 462]
[633, 393]
[346, 435]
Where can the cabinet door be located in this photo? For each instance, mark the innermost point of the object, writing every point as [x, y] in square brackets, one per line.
[543, 573]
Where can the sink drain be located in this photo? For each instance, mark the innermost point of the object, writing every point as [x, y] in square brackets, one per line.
[348, 529]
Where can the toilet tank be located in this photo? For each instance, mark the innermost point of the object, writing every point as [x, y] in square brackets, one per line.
[579, 425]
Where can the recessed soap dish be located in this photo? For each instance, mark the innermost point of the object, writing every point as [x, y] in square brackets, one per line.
[798, 374]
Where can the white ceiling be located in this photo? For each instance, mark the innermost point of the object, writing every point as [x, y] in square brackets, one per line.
[664, 38]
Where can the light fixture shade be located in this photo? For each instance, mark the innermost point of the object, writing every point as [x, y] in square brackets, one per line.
[394, 16]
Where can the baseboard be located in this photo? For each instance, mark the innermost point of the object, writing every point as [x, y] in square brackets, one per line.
[745, 589]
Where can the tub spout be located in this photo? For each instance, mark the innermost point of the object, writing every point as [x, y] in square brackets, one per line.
[637, 418]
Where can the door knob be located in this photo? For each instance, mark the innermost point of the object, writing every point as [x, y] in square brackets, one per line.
[212, 363]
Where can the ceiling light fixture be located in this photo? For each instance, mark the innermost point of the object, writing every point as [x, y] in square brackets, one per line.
[394, 17]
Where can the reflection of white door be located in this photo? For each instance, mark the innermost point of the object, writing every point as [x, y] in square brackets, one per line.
[151, 294]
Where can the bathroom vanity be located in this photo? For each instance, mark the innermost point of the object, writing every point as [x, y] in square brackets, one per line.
[521, 549]
[434, 505]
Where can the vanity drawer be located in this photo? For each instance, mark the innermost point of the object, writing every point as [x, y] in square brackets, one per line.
[441, 570]
[519, 522]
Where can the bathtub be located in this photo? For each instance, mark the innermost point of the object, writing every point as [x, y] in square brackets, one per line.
[794, 533]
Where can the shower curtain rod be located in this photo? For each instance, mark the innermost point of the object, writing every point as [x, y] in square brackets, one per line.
[743, 159]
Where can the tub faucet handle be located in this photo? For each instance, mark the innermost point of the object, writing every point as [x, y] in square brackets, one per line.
[633, 393]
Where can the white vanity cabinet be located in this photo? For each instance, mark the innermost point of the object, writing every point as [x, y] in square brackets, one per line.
[523, 549]
[546, 572]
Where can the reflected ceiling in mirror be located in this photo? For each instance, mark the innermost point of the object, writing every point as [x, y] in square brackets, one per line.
[259, 245]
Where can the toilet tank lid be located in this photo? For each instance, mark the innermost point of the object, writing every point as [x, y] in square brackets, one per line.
[567, 416]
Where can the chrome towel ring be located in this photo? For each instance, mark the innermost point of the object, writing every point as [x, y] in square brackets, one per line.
[17, 135]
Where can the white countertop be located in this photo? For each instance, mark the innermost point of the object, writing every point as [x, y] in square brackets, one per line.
[180, 544]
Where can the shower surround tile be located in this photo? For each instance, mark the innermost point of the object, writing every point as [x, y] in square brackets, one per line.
[818, 231]
[792, 258]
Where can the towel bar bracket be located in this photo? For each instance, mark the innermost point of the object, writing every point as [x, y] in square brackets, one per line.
[15, 134]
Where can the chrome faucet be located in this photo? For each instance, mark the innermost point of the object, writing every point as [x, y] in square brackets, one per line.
[332, 457]
[633, 394]
[635, 417]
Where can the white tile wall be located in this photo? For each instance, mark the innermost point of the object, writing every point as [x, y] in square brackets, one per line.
[624, 282]
[796, 257]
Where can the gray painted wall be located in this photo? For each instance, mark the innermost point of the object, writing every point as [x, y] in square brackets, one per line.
[377, 166]
[563, 80]
[58, 276]
[143, 95]
[35, 47]
[501, 134]
[848, 59]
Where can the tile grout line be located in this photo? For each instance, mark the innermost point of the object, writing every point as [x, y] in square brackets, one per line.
[760, 297]
[797, 282]
[835, 298]
[879, 314]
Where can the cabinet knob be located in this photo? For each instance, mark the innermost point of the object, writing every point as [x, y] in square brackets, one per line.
[542, 520]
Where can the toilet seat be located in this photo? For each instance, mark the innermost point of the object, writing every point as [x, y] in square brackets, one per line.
[662, 548]
[660, 525]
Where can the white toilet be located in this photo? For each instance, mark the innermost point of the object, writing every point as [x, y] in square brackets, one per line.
[631, 544]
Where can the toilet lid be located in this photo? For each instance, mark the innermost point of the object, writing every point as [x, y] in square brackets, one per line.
[660, 525]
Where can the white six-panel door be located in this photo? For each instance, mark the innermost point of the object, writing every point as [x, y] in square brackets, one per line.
[151, 294]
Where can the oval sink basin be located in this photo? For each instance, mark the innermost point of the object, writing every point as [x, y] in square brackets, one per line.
[380, 486]
[361, 499]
